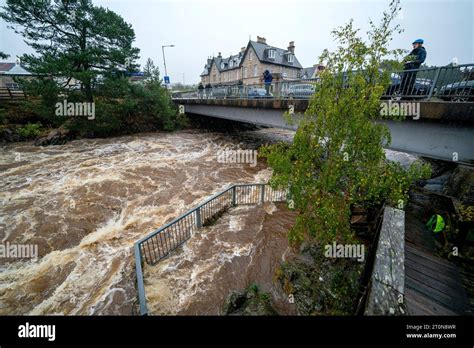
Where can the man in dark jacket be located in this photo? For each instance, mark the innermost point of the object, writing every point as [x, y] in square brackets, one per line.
[208, 90]
[267, 79]
[413, 61]
[200, 90]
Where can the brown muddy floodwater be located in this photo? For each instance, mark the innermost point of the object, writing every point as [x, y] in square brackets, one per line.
[245, 246]
[85, 203]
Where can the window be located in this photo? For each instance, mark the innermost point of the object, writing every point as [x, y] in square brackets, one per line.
[291, 58]
[13, 86]
[245, 72]
[222, 65]
[271, 54]
[255, 70]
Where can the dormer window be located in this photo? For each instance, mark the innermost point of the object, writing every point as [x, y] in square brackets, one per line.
[231, 63]
[291, 57]
[271, 54]
[222, 65]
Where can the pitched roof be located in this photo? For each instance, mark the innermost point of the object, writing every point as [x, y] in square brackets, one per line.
[207, 67]
[261, 50]
[6, 66]
[308, 72]
[13, 69]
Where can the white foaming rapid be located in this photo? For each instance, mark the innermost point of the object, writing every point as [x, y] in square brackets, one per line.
[85, 203]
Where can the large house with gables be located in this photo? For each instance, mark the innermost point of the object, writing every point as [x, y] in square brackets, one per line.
[248, 65]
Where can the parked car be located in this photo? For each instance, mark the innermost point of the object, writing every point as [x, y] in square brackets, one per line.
[219, 91]
[254, 93]
[461, 91]
[421, 88]
[303, 90]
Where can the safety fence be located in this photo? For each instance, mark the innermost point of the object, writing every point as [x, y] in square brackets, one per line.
[160, 243]
[451, 83]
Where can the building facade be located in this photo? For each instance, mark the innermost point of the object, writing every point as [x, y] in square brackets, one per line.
[8, 71]
[248, 65]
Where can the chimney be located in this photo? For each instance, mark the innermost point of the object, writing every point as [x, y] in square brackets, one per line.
[291, 47]
[243, 49]
[261, 40]
[219, 55]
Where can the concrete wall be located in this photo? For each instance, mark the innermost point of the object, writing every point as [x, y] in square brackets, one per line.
[386, 287]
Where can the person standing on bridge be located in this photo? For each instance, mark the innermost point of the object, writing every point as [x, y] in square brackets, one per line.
[200, 90]
[413, 61]
[267, 79]
[208, 90]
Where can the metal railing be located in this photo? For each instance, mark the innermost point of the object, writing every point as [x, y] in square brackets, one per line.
[160, 243]
[450, 83]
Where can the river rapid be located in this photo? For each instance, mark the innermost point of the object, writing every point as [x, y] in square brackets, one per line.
[85, 203]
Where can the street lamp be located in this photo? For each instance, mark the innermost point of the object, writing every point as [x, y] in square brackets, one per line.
[164, 60]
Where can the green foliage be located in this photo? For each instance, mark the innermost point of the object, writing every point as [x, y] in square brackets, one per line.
[30, 131]
[336, 158]
[73, 40]
[4, 55]
[151, 72]
[122, 107]
[82, 54]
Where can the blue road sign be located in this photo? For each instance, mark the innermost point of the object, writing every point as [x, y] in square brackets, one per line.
[166, 79]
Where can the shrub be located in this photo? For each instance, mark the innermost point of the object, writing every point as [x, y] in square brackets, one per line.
[30, 131]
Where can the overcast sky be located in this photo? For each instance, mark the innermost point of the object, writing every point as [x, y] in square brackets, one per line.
[200, 28]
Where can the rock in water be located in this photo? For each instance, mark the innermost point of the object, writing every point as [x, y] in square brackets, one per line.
[249, 301]
[55, 137]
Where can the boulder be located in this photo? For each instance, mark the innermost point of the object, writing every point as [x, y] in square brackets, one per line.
[57, 136]
[249, 302]
[461, 184]
[9, 136]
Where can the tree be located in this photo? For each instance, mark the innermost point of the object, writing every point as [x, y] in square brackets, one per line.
[151, 72]
[73, 40]
[336, 159]
[4, 55]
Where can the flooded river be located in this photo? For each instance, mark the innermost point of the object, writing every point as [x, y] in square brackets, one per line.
[85, 203]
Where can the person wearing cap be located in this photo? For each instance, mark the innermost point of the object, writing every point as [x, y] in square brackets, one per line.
[267, 79]
[413, 61]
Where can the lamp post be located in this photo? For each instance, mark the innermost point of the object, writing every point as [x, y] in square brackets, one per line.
[164, 59]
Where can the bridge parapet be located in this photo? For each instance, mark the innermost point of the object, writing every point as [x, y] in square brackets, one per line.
[459, 112]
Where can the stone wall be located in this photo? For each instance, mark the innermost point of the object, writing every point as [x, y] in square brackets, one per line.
[250, 71]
